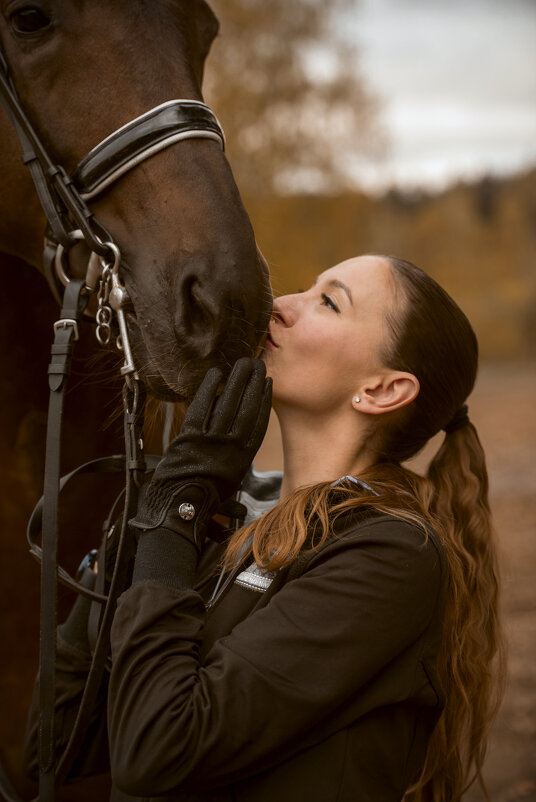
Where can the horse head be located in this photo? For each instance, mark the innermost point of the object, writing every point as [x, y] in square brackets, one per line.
[198, 286]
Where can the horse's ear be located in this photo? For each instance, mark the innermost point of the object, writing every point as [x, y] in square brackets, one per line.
[206, 28]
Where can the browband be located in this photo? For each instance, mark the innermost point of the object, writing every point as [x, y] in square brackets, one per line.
[153, 131]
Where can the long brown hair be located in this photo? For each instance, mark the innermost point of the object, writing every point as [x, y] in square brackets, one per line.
[432, 339]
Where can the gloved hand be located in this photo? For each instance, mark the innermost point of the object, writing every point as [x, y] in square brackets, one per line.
[206, 462]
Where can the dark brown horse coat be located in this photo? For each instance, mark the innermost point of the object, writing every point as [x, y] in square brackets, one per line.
[317, 683]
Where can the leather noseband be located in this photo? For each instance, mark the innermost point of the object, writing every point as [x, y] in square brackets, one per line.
[153, 131]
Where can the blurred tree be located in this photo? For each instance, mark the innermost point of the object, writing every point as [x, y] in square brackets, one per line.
[284, 79]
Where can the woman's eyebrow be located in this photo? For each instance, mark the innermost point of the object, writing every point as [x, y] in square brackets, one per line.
[334, 282]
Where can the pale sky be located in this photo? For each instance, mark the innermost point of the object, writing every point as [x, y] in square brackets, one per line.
[457, 81]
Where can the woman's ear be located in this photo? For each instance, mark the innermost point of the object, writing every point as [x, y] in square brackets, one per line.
[387, 393]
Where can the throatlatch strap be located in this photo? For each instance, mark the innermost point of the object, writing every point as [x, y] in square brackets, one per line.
[66, 332]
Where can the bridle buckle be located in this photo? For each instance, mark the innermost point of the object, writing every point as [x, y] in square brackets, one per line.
[64, 323]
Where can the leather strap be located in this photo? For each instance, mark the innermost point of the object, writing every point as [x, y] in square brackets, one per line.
[62, 204]
[115, 463]
[134, 404]
[63, 198]
[66, 332]
[49, 268]
[146, 135]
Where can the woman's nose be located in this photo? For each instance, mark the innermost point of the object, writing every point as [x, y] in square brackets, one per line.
[285, 309]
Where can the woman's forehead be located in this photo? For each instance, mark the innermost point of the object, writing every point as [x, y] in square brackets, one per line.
[361, 273]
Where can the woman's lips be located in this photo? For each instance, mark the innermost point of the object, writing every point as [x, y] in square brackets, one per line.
[270, 340]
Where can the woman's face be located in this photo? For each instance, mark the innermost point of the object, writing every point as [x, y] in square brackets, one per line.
[325, 343]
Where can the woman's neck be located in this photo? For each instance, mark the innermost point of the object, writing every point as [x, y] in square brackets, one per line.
[319, 450]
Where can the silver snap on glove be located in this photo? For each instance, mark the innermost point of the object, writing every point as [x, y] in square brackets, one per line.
[205, 464]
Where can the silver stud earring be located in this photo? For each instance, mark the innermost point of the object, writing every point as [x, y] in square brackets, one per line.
[357, 399]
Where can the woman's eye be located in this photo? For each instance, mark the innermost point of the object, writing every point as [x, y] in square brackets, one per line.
[328, 301]
[29, 20]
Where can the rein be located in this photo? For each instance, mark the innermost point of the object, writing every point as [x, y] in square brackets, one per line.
[70, 220]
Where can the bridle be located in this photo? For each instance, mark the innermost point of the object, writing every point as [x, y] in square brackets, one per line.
[64, 200]
[121, 151]
[64, 197]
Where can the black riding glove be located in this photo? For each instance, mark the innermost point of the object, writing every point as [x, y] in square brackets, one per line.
[205, 464]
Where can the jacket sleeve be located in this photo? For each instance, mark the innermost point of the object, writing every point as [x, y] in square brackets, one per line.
[270, 687]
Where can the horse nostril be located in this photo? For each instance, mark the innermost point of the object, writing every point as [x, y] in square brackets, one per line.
[195, 309]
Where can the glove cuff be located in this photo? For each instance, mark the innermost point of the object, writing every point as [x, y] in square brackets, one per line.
[164, 557]
[187, 510]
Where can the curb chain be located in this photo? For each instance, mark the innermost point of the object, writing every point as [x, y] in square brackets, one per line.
[104, 312]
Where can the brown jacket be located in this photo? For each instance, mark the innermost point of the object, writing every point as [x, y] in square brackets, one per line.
[316, 684]
[319, 685]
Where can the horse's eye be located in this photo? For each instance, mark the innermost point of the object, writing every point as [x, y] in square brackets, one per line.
[29, 20]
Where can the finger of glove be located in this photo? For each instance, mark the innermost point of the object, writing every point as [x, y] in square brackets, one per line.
[263, 416]
[200, 410]
[230, 400]
[246, 417]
